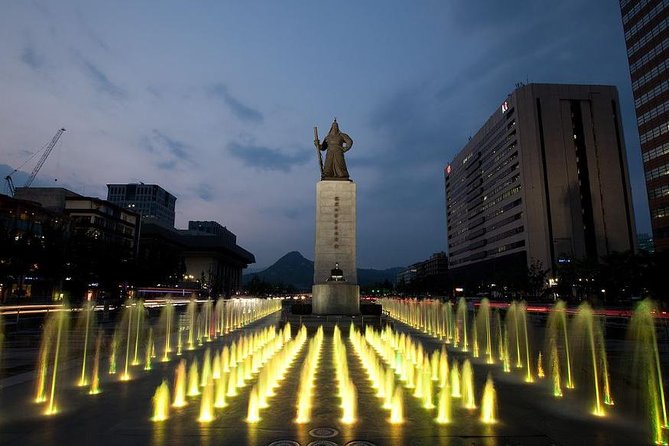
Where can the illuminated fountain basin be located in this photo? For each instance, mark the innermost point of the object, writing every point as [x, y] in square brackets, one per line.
[122, 403]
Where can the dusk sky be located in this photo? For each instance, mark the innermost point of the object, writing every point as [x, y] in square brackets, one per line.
[216, 102]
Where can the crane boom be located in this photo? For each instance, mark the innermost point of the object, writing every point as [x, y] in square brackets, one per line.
[45, 155]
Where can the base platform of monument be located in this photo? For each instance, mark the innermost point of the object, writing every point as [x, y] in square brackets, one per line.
[335, 298]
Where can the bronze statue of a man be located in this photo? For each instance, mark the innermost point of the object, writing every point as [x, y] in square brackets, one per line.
[335, 144]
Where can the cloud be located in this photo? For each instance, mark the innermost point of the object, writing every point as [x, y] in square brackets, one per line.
[171, 152]
[32, 59]
[204, 192]
[170, 165]
[239, 109]
[265, 158]
[100, 80]
[92, 35]
[175, 147]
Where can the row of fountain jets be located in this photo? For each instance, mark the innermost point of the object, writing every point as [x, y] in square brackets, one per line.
[574, 343]
[134, 340]
[391, 361]
[572, 355]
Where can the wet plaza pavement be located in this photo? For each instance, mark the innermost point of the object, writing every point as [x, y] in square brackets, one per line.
[121, 414]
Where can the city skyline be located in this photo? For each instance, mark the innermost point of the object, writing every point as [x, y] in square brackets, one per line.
[216, 104]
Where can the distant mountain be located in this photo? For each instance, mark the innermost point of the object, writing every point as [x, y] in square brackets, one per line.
[291, 269]
[294, 269]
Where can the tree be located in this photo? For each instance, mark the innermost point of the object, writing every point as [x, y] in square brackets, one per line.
[536, 279]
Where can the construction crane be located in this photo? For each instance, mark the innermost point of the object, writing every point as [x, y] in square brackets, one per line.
[47, 150]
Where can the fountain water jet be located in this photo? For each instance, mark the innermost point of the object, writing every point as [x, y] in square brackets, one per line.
[468, 395]
[456, 392]
[555, 371]
[219, 398]
[95, 379]
[161, 403]
[191, 315]
[309, 367]
[180, 385]
[444, 407]
[166, 322]
[193, 382]
[461, 323]
[253, 414]
[62, 319]
[540, 367]
[112, 355]
[556, 330]
[397, 410]
[148, 350]
[489, 403]
[87, 319]
[139, 309]
[52, 353]
[647, 372]
[587, 330]
[483, 322]
[207, 403]
[206, 368]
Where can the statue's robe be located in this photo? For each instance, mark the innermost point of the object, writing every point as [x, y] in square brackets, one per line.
[335, 164]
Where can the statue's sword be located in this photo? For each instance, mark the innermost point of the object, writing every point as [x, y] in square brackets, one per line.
[318, 150]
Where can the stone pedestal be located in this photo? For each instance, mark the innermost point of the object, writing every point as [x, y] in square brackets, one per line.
[335, 244]
[335, 298]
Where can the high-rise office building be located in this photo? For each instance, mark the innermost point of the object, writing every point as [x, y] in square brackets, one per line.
[545, 179]
[646, 25]
[150, 201]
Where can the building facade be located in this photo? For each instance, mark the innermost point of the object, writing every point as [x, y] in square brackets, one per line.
[213, 228]
[430, 274]
[544, 180]
[150, 201]
[31, 241]
[91, 252]
[191, 258]
[646, 26]
[95, 218]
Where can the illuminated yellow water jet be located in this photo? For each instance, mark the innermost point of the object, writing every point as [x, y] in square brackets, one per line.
[253, 414]
[61, 318]
[443, 369]
[555, 371]
[95, 378]
[489, 403]
[43, 365]
[389, 389]
[180, 385]
[216, 366]
[427, 388]
[468, 396]
[206, 368]
[161, 403]
[193, 382]
[225, 360]
[219, 399]
[309, 367]
[87, 310]
[112, 355]
[397, 410]
[540, 367]
[148, 350]
[444, 408]
[232, 384]
[456, 392]
[207, 403]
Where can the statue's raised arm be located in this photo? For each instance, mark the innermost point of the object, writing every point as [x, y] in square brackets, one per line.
[335, 144]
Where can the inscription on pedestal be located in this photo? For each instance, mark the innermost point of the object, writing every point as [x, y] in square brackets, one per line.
[335, 229]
